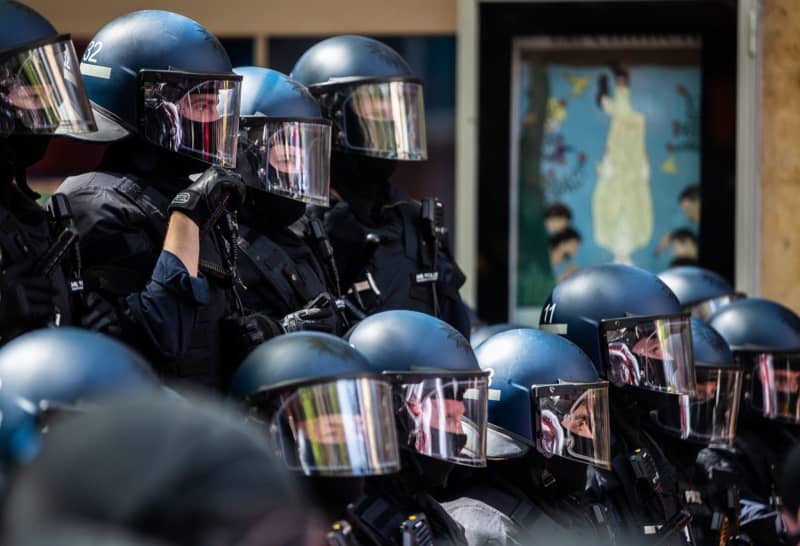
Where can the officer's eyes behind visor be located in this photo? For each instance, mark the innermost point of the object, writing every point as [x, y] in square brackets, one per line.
[290, 158]
[192, 114]
[41, 91]
[653, 353]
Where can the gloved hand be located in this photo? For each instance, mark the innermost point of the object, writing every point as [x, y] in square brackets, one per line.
[319, 315]
[100, 316]
[27, 298]
[202, 200]
[248, 332]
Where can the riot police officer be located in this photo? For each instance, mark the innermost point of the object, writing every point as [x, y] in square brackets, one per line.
[49, 373]
[700, 291]
[765, 337]
[440, 397]
[548, 420]
[329, 414]
[158, 245]
[41, 94]
[697, 432]
[631, 326]
[183, 472]
[392, 251]
[284, 158]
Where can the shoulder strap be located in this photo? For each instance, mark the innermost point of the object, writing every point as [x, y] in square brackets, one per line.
[410, 213]
[152, 203]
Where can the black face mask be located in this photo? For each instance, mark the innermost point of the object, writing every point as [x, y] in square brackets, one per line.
[453, 443]
[434, 472]
[360, 175]
[334, 494]
[21, 151]
[266, 210]
[570, 475]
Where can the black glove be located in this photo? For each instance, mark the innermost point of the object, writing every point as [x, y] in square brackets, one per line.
[319, 315]
[248, 332]
[204, 199]
[100, 316]
[27, 298]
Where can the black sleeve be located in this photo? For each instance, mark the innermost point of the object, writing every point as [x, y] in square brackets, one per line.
[154, 295]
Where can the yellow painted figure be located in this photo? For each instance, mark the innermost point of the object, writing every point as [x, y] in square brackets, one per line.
[622, 205]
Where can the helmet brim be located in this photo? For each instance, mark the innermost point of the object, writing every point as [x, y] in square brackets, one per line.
[108, 128]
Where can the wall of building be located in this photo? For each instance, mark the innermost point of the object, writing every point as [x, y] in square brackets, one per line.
[780, 153]
[267, 17]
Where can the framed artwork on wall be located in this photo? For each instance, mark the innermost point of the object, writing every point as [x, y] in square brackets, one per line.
[605, 157]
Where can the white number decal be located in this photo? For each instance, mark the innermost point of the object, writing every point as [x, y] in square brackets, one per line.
[91, 51]
[549, 311]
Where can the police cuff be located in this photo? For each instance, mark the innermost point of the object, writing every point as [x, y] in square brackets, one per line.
[173, 275]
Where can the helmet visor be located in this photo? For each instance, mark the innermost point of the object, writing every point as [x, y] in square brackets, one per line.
[41, 91]
[386, 119]
[653, 353]
[192, 114]
[288, 158]
[341, 428]
[709, 415]
[448, 418]
[775, 385]
[704, 309]
[572, 421]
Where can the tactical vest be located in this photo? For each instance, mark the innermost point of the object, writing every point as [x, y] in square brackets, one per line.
[391, 265]
[133, 256]
[379, 521]
[280, 279]
[576, 518]
[641, 493]
[21, 243]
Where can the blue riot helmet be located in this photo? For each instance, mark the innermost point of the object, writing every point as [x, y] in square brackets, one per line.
[765, 338]
[284, 141]
[168, 80]
[328, 412]
[708, 416]
[370, 94]
[19, 435]
[440, 392]
[700, 291]
[544, 393]
[629, 323]
[485, 332]
[41, 92]
[51, 370]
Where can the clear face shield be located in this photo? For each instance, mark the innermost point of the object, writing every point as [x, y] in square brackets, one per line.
[572, 421]
[704, 309]
[41, 91]
[383, 119]
[341, 428]
[774, 386]
[196, 115]
[653, 353]
[709, 415]
[287, 157]
[447, 417]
